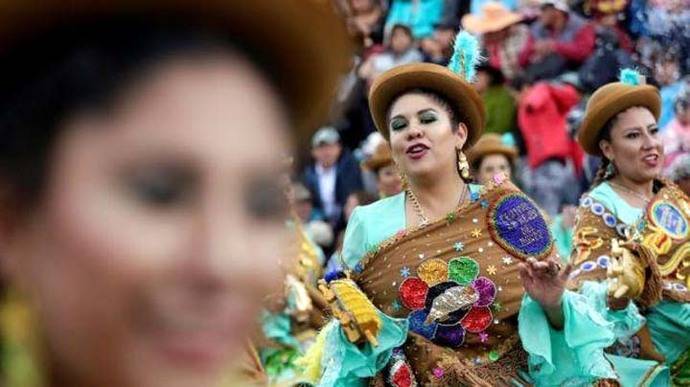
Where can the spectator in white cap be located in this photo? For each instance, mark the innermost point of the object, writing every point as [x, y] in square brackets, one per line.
[558, 40]
[333, 175]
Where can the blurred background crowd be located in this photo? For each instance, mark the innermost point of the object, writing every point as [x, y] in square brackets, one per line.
[543, 59]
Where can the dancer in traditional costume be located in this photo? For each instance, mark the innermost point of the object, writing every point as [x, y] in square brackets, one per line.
[451, 283]
[633, 225]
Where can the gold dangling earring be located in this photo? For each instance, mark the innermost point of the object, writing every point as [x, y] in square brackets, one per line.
[463, 165]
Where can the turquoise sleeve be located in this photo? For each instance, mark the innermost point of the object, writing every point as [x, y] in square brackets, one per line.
[572, 355]
[355, 240]
[575, 355]
[347, 364]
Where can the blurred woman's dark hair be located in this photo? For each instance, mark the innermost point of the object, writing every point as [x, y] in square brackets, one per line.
[72, 72]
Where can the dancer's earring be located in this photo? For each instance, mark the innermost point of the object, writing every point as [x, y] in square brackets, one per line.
[463, 165]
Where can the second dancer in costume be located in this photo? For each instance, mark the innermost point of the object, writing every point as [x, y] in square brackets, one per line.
[634, 225]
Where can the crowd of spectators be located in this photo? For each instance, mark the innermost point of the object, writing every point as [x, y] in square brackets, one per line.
[543, 58]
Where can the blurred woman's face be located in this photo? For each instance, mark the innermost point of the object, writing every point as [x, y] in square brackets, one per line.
[389, 181]
[635, 147]
[492, 165]
[160, 228]
[423, 142]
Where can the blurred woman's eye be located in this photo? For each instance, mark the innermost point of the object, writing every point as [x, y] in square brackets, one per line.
[632, 135]
[398, 124]
[161, 187]
[654, 130]
[427, 118]
[265, 200]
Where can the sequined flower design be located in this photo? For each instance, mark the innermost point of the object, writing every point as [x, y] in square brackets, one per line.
[447, 300]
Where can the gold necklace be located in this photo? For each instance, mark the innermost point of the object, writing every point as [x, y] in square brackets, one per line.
[418, 207]
[638, 195]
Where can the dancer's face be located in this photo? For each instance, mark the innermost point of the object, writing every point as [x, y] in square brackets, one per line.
[159, 230]
[389, 180]
[423, 137]
[635, 147]
[491, 165]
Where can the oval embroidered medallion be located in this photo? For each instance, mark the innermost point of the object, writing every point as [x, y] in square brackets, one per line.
[518, 226]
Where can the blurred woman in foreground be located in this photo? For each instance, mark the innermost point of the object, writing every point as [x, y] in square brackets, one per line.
[141, 211]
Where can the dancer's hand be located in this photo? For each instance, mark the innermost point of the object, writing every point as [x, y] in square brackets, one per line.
[545, 281]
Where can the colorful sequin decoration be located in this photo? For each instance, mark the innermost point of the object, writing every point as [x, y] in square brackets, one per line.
[517, 225]
[443, 309]
[400, 374]
[670, 219]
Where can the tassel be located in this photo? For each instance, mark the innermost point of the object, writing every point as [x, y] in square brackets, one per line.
[466, 56]
[310, 363]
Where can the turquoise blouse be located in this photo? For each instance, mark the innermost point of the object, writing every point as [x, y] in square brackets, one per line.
[668, 321]
[572, 356]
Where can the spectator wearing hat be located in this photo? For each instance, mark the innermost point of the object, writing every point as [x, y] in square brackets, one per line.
[503, 36]
[491, 156]
[381, 163]
[333, 175]
[420, 15]
[608, 14]
[558, 39]
[400, 50]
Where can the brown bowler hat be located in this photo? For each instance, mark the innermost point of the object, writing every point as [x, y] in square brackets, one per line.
[494, 17]
[281, 33]
[490, 144]
[607, 102]
[427, 76]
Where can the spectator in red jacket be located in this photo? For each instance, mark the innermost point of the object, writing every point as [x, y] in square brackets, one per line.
[558, 40]
[542, 115]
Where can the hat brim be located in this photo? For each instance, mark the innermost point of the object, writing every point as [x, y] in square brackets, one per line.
[478, 152]
[617, 99]
[431, 77]
[478, 25]
[280, 33]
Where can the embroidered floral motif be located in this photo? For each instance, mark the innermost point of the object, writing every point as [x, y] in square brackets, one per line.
[444, 311]
[458, 246]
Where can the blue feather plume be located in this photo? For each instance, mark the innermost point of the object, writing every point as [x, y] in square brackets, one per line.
[630, 77]
[466, 56]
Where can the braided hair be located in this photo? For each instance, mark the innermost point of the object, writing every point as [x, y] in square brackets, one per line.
[602, 174]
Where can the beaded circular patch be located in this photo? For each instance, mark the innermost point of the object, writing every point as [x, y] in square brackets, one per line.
[609, 220]
[598, 209]
[670, 219]
[413, 292]
[433, 271]
[463, 270]
[586, 201]
[517, 225]
[477, 320]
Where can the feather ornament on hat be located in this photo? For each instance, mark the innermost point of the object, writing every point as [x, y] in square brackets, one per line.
[631, 77]
[466, 56]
